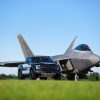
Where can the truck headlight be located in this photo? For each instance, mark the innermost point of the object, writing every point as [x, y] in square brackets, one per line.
[37, 66]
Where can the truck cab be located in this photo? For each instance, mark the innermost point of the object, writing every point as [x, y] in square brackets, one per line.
[39, 67]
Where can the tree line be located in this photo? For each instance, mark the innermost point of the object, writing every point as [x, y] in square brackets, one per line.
[94, 76]
[4, 76]
[91, 76]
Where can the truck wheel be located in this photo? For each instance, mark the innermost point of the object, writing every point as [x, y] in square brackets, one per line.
[20, 75]
[43, 78]
[57, 77]
[33, 76]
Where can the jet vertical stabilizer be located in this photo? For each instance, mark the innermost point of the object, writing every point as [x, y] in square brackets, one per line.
[70, 47]
[24, 46]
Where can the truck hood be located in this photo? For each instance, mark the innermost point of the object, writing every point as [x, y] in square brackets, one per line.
[44, 63]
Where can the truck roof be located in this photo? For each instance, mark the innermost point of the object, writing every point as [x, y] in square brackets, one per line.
[39, 56]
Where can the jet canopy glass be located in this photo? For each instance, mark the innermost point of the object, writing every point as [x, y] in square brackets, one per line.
[83, 47]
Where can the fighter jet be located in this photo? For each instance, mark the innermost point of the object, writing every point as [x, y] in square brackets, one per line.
[78, 60]
[74, 61]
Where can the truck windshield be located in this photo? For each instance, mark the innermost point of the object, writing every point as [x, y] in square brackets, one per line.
[41, 59]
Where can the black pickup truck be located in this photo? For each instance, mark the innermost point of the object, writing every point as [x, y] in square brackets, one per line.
[39, 67]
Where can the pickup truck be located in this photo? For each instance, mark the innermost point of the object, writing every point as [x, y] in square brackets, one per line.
[39, 67]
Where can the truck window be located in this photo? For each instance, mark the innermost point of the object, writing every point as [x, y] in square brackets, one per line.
[41, 59]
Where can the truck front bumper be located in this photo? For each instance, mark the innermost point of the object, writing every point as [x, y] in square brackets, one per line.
[48, 74]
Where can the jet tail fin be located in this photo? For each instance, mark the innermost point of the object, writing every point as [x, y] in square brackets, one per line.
[24, 46]
[70, 46]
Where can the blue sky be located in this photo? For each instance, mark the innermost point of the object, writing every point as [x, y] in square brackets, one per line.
[48, 26]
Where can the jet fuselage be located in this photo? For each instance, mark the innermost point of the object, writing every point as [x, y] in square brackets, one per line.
[77, 61]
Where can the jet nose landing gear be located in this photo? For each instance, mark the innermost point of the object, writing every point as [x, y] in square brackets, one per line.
[76, 77]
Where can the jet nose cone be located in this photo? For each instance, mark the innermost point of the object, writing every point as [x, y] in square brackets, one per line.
[94, 59]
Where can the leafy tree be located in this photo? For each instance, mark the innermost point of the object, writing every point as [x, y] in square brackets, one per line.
[94, 76]
[4, 76]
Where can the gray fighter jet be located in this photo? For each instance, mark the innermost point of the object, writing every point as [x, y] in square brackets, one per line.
[78, 61]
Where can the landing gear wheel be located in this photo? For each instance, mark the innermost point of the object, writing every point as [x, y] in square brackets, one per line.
[70, 76]
[20, 75]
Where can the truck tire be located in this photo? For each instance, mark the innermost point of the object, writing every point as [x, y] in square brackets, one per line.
[20, 75]
[43, 78]
[57, 77]
[33, 75]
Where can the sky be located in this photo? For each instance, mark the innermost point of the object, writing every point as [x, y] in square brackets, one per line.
[48, 26]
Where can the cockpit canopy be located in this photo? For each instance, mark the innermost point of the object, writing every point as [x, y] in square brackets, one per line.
[83, 47]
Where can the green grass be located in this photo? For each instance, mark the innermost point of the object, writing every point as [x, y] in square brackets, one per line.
[49, 90]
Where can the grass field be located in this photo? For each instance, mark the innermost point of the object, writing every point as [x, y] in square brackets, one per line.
[49, 90]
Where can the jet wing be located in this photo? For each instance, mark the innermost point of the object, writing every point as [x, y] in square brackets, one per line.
[11, 64]
[59, 58]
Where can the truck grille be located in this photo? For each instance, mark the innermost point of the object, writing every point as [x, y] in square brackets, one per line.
[48, 69]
